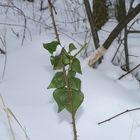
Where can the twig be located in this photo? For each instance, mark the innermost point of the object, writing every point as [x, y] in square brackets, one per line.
[22, 13]
[17, 25]
[117, 50]
[53, 20]
[115, 116]
[59, 29]
[41, 6]
[3, 41]
[8, 117]
[11, 24]
[2, 51]
[83, 47]
[128, 72]
[133, 23]
[12, 114]
[133, 32]
[69, 37]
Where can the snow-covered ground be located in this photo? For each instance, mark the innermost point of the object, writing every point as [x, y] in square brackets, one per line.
[24, 89]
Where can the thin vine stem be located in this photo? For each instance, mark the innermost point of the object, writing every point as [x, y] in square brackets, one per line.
[67, 82]
[83, 47]
[53, 20]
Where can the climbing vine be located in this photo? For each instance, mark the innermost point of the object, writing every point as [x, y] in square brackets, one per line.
[67, 85]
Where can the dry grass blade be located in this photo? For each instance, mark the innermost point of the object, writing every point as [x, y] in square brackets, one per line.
[3, 41]
[10, 114]
[8, 117]
[23, 129]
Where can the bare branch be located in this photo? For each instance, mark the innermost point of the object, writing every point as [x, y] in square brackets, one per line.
[22, 13]
[129, 72]
[115, 116]
[2, 51]
[115, 33]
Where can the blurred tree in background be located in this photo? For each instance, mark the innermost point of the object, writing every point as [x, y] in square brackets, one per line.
[100, 13]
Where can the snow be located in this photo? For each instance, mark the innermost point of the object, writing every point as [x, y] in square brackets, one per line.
[24, 89]
[57, 51]
[29, 72]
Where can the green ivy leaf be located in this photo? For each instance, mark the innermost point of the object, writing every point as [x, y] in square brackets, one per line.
[64, 99]
[76, 66]
[60, 60]
[71, 73]
[71, 47]
[75, 83]
[65, 58]
[57, 94]
[57, 63]
[57, 81]
[61, 96]
[77, 99]
[51, 47]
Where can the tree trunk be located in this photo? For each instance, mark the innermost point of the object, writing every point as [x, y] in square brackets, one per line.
[100, 13]
[126, 41]
[120, 26]
[100, 52]
[120, 15]
[126, 51]
[90, 18]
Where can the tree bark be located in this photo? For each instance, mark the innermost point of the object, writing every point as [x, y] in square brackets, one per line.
[127, 67]
[101, 50]
[93, 30]
[120, 26]
[126, 50]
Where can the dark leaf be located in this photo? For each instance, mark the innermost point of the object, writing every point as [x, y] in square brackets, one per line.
[72, 47]
[71, 73]
[51, 47]
[65, 58]
[60, 60]
[57, 62]
[76, 66]
[77, 99]
[75, 83]
[57, 81]
[57, 94]
[61, 96]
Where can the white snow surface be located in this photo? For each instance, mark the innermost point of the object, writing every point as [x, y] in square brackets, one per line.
[24, 89]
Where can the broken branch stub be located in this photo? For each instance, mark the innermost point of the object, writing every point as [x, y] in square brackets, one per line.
[97, 55]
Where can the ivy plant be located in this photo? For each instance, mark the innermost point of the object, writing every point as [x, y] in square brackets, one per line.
[67, 86]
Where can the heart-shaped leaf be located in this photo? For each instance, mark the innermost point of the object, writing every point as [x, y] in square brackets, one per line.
[71, 47]
[77, 99]
[71, 73]
[51, 47]
[76, 66]
[57, 81]
[61, 96]
[57, 94]
[65, 58]
[57, 63]
[60, 60]
[75, 83]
